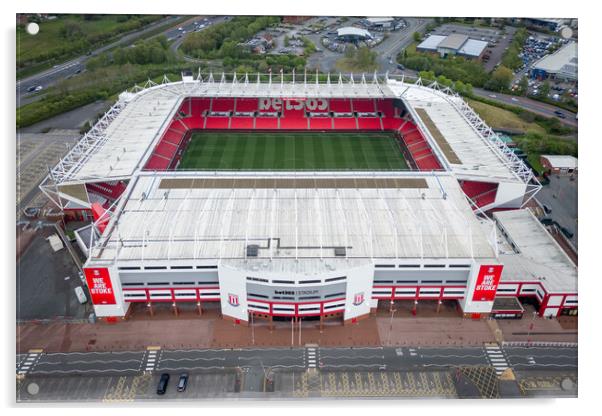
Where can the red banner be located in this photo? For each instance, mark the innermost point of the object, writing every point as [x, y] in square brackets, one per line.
[487, 281]
[99, 283]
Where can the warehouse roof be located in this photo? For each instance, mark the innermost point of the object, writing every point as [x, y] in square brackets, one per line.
[375, 20]
[353, 31]
[453, 41]
[473, 47]
[561, 161]
[537, 256]
[208, 216]
[563, 62]
[431, 42]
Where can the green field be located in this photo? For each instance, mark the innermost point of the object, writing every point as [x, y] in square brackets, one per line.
[293, 151]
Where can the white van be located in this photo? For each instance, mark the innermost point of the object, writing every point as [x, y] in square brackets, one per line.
[81, 296]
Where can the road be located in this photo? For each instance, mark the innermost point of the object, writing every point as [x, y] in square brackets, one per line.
[287, 372]
[344, 358]
[536, 107]
[60, 72]
[398, 41]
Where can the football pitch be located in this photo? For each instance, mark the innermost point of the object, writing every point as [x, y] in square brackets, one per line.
[293, 151]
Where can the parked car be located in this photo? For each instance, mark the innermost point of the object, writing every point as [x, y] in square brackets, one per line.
[182, 382]
[547, 209]
[163, 382]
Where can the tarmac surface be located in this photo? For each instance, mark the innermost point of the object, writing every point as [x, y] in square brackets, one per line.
[266, 373]
[561, 196]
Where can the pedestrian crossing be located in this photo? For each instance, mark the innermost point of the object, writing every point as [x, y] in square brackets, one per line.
[151, 358]
[30, 360]
[311, 356]
[496, 358]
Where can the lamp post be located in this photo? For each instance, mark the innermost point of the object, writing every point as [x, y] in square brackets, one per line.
[252, 329]
[391, 322]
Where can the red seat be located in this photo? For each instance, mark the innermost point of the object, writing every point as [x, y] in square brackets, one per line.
[241, 123]
[222, 104]
[293, 123]
[165, 149]
[363, 105]
[172, 137]
[320, 123]
[214, 123]
[266, 123]
[386, 107]
[194, 123]
[368, 123]
[345, 123]
[157, 163]
[197, 106]
[340, 105]
[246, 104]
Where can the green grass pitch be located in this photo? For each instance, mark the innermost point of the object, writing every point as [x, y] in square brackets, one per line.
[293, 151]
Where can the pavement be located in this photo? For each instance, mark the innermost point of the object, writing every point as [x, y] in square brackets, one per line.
[190, 331]
[45, 282]
[561, 196]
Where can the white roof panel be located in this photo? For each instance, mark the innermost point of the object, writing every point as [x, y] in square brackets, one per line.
[539, 256]
[217, 223]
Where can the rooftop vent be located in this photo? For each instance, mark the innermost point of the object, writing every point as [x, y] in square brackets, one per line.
[340, 252]
[252, 250]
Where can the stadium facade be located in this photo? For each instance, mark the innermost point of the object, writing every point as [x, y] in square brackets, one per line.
[298, 244]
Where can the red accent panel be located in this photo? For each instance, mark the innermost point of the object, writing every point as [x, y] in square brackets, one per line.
[246, 104]
[99, 213]
[363, 106]
[99, 284]
[223, 104]
[487, 281]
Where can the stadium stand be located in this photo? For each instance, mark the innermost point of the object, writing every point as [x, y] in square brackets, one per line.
[241, 123]
[246, 104]
[345, 123]
[320, 123]
[340, 106]
[372, 115]
[482, 193]
[368, 123]
[109, 190]
[363, 106]
[222, 104]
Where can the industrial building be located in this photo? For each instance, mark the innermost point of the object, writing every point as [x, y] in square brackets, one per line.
[561, 65]
[453, 45]
[306, 244]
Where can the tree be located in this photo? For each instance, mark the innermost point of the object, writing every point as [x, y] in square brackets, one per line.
[544, 90]
[71, 30]
[523, 86]
[500, 79]
[417, 37]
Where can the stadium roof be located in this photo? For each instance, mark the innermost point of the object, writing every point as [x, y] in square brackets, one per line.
[353, 31]
[563, 62]
[200, 216]
[441, 117]
[119, 145]
[539, 256]
[562, 161]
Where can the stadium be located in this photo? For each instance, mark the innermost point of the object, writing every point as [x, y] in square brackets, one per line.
[283, 198]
